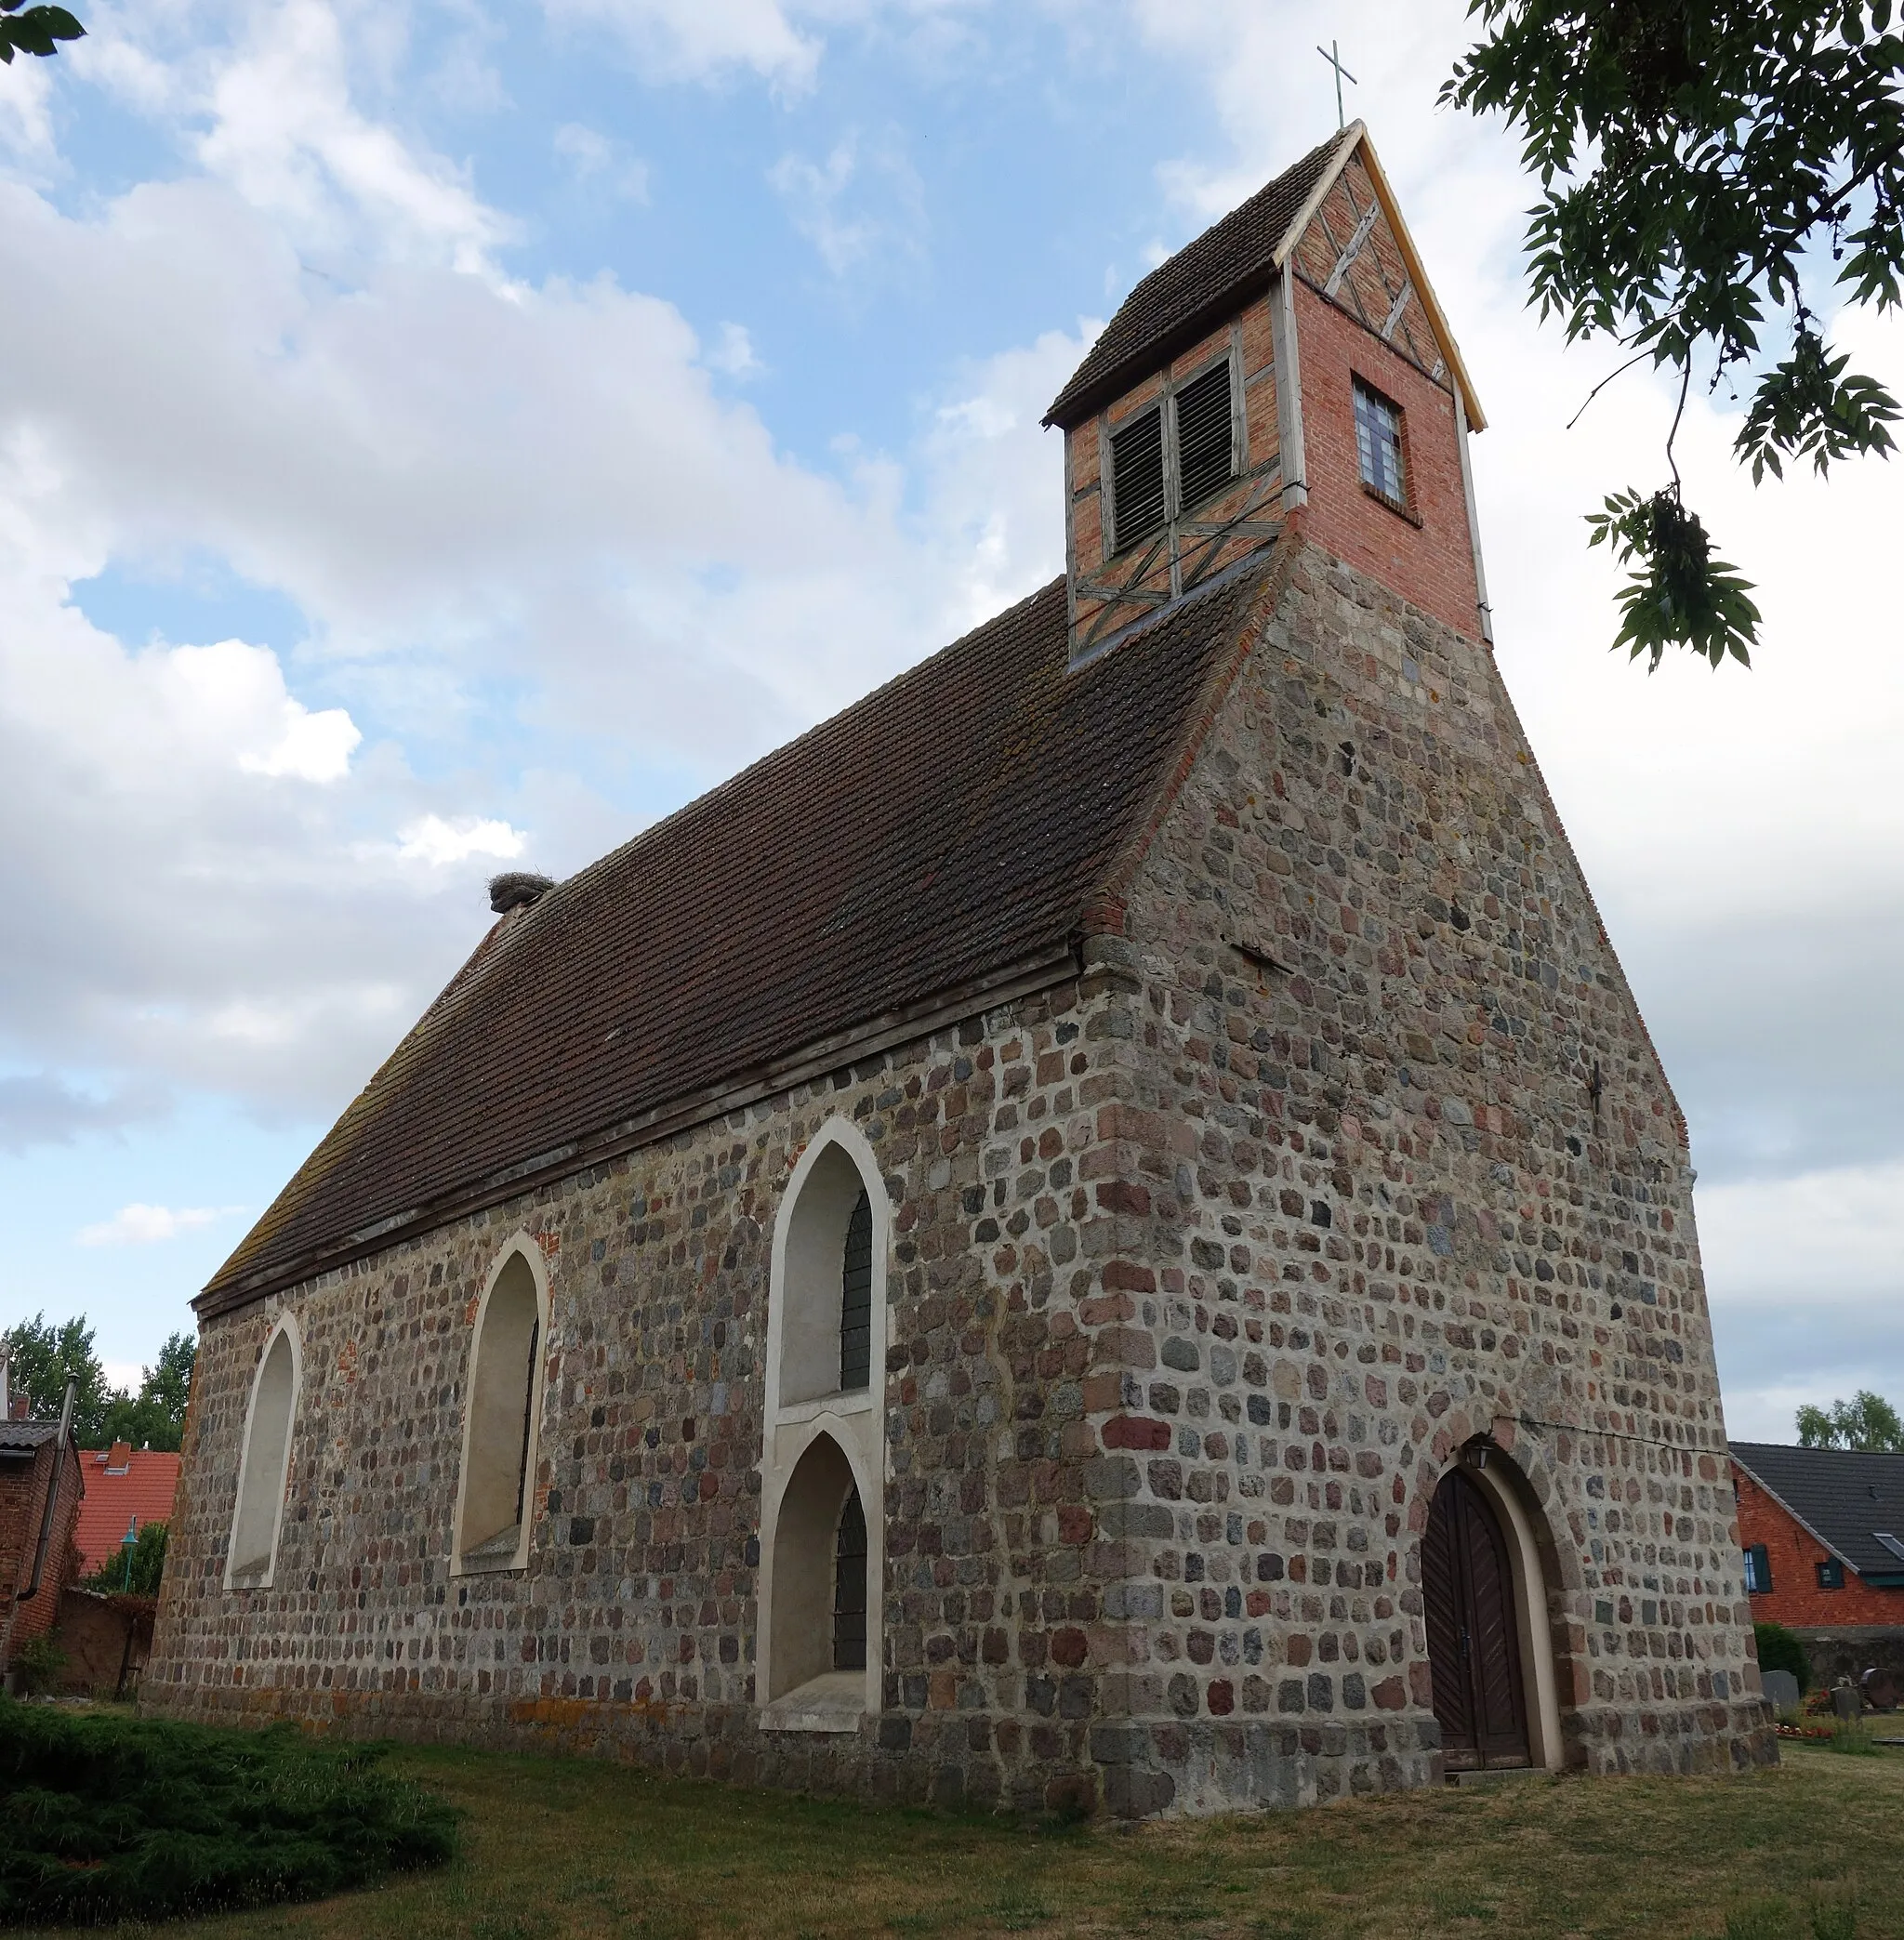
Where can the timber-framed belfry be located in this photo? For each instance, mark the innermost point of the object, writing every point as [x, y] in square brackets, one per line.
[1144, 1263]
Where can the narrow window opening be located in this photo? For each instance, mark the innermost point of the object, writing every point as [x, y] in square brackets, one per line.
[1832, 1575]
[849, 1588]
[1205, 437]
[1758, 1569]
[856, 1297]
[265, 1462]
[495, 1483]
[1379, 446]
[1137, 481]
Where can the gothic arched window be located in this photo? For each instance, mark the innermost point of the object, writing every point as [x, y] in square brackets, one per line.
[497, 1490]
[264, 1466]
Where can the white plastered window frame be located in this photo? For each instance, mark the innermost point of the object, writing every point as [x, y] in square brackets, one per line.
[519, 1246]
[256, 1496]
[795, 1419]
[1539, 1681]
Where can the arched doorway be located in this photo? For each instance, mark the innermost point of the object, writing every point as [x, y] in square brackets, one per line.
[1474, 1630]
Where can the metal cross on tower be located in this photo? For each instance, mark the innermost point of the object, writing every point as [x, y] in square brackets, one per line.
[1333, 54]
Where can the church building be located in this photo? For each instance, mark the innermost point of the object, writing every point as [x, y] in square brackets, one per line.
[1101, 1231]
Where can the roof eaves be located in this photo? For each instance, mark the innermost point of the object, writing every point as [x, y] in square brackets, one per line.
[228, 1291]
[1811, 1529]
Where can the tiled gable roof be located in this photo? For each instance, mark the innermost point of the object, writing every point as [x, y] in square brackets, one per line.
[27, 1434]
[951, 826]
[1846, 1497]
[1182, 298]
[116, 1498]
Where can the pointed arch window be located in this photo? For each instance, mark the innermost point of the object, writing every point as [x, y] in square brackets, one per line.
[856, 1297]
[497, 1494]
[264, 1466]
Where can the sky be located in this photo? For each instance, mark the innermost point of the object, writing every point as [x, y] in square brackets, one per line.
[444, 435]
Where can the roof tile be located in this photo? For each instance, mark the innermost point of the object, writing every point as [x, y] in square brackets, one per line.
[1179, 301]
[949, 825]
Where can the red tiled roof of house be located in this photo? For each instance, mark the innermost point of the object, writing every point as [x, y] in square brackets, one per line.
[944, 835]
[124, 1486]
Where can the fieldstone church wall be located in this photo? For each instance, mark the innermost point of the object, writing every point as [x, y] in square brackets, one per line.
[1346, 1150]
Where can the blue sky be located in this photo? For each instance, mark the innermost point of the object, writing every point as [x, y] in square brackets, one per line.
[442, 436]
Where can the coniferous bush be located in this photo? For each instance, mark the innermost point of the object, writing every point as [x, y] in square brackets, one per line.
[1779, 1650]
[105, 1819]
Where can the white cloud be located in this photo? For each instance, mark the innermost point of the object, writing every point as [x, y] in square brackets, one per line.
[596, 159]
[139, 1225]
[436, 842]
[863, 206]
[693, 40]
[732, 352]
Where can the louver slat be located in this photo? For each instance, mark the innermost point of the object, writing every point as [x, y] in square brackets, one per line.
[1137, 481]
[1203, 436]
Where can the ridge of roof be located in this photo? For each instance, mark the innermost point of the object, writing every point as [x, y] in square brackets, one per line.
[943, 835]
[1816, 1487]
[1174, 304]
[1188, 294]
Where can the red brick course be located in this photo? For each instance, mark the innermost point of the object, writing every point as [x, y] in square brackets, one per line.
[1430, 564]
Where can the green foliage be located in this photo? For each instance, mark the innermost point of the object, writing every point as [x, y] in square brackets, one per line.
[1697, 160]
[1867, 1422]
[42, 1356]
[135, 1568]
[1682, 594]
[1779, 1650]
[1852, 1736]
[41, 1664]
[35, 31]
[105, 1819]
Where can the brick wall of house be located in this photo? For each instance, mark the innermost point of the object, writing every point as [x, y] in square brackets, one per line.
[22, 1507]
[1795, 1599]
[1374, 1209]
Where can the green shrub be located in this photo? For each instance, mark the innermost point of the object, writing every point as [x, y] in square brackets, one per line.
[41, 1663]
[105, 1819]
[1852, 1736]
[1779, 1650]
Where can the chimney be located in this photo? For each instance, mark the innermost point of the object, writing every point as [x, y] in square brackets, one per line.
[516, 890]
[119, 1458]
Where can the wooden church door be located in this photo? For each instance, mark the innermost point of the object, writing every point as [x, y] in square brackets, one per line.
[1474, 1643]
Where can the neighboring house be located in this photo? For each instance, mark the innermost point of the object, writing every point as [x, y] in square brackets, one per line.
[1822, 1531]
[33, 1573]
[1100, 1231]
[125, 1488]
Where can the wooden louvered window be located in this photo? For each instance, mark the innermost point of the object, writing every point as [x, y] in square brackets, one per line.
[1204, 437]
[1137, 481]
[856, 1299]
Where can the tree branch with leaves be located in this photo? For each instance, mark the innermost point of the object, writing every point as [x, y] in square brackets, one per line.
[35, 29]
[1699, 160]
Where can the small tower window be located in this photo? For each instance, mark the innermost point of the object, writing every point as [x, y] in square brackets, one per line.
[856, 1299]
[1204, 437]
[1379, 445]
[850, 1587]
[1137, 481]
[1758, 1569]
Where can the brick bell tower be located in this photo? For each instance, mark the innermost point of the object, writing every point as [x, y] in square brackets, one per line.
[1289, 367]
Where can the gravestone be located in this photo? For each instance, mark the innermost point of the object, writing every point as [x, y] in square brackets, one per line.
[1782, 1689]
[1846, 1700]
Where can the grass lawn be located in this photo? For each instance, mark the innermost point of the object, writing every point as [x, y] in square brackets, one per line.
[554, 1848]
